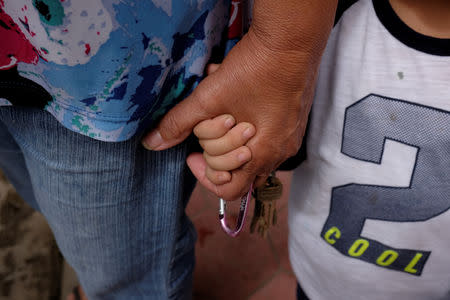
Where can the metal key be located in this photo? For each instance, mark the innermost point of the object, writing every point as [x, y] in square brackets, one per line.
[265, 214]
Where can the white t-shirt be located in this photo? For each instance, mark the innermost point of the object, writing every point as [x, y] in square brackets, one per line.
[369, 208]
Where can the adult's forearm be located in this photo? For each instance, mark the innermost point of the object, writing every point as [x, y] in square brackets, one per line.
[289, 37]
[294, 25]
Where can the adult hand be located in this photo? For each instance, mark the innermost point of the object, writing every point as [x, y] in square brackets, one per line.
[268, 80]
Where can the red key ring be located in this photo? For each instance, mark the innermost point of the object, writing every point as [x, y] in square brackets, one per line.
[242, 214]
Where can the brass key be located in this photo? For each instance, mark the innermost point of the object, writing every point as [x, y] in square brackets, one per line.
[265, 214]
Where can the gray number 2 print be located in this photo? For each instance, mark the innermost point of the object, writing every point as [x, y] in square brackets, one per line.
[368, 124]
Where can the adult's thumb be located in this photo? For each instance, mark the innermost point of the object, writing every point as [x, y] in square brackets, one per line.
[176, 125]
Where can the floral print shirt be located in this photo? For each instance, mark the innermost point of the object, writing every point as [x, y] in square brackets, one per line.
[107, 69]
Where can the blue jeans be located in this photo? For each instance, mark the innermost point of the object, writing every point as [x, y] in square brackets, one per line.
[116, 209]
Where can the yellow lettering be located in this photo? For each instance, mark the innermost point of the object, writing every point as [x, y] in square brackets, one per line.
[410, 267]
[387, 257]
[358, 248]
[333, 231]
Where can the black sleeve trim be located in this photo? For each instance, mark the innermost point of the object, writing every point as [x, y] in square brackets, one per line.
[343, 5]
[406, 35]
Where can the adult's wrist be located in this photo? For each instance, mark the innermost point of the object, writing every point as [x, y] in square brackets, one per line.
[293, 25]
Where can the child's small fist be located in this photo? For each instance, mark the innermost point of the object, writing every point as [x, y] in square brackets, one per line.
[224, 146]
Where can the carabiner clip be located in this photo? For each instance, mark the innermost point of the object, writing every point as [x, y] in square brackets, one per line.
[241, 217]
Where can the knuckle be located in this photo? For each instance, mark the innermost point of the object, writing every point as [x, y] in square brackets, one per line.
[246, 152]
[268, 153]
[292, 148]
[217, 147]
[202, 96]
[203, 144]
[267, 156]
[262, 165]
[207, 158]
[208, 146]
[198, 130]
[216, 177]
[210, 175]
[238, 186]
[171, 127]
[241, 137]
[251, 167]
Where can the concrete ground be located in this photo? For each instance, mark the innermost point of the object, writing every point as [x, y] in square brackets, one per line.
[30, 263]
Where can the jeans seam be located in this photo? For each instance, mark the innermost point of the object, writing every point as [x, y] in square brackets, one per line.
[171, 262]
[190, 230]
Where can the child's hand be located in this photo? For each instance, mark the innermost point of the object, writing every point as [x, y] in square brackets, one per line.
[224, 146]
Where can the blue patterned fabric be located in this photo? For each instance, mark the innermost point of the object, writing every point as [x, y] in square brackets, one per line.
[111, 67]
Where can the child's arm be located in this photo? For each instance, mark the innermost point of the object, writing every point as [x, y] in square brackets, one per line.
[224, 146]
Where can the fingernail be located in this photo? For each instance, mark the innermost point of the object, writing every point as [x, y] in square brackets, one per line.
[153, 140]
[229, 122]
[243, 157]
[248, 133]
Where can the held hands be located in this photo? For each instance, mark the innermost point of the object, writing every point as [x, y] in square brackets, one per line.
[255, 84]
[224, 149]
[267, 80]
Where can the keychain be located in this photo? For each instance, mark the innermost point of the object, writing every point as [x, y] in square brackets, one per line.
[242, 214]
[265, 215]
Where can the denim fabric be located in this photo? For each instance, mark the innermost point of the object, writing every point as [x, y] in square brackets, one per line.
[116, 209]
